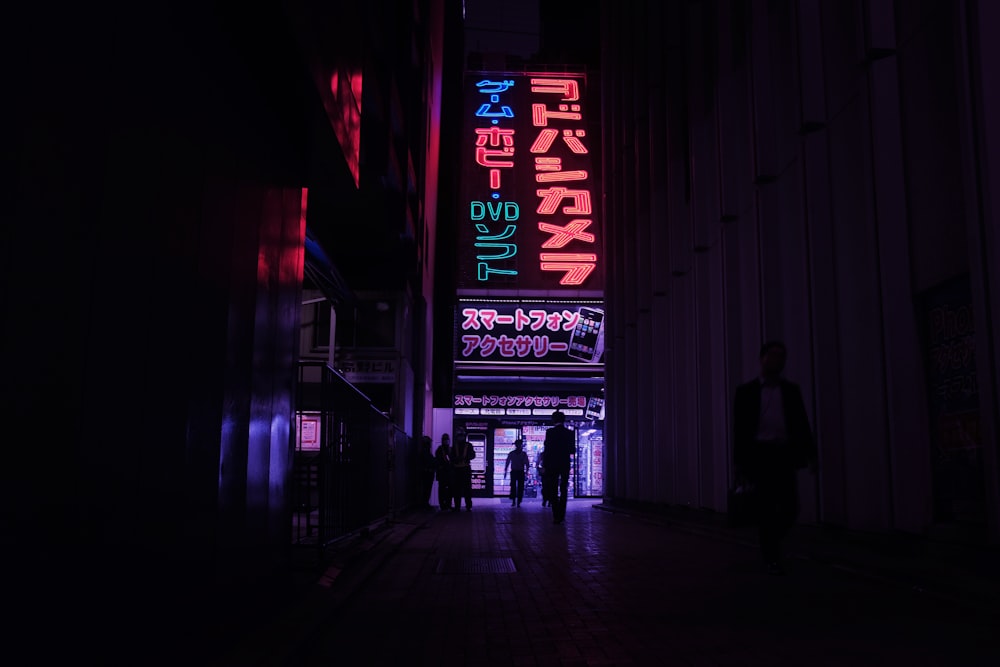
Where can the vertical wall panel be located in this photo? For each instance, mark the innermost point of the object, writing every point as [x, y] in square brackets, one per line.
[842, 53]
[614, 369]
[827, 359]
[659, 249]
[810, 60]
[859, 325]
[736, 189]
[881, 26]
[783, 53]
[703, 136]
[645, 254]
[797, 321]
[733, 112]
[765, 144]
[736, 349]
[981, 138]
[659, 93]
[748, 296]
[909, 442]
[663, 419]
[683, 378]
[713, 403]
[628, 226]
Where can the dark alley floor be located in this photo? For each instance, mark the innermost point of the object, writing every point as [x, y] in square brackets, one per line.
[505, 586]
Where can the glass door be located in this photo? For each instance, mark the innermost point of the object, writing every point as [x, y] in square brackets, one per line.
[503, 444]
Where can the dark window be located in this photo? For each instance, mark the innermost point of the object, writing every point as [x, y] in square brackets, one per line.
[321, 325]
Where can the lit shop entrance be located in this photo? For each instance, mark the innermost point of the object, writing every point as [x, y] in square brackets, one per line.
[493, 438]
[516, 362]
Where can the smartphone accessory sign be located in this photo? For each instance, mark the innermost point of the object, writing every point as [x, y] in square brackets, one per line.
[519, 332]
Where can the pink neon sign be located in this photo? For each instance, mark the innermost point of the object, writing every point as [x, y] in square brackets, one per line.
[528, 185]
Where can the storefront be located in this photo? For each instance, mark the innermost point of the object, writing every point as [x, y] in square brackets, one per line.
[518, 361]
[530, 319]
[493, 430]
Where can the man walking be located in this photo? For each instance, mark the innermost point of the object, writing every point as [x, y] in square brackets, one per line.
[560, 446]
[772, 439]
[462, 454]
[518, 464]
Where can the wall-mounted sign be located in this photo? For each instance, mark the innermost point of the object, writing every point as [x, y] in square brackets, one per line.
[518, 404]
[523, 332]
[366, 367]
[308, 431]
[529, 193]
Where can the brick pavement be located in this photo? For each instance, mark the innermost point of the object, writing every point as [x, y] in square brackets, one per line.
[504, 586]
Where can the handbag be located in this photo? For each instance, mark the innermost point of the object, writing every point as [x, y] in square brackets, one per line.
[742, 504]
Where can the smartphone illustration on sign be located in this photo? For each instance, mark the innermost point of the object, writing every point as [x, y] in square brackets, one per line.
[587, 341]
[595, 408]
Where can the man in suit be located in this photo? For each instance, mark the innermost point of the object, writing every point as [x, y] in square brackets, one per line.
[560, 446]
[772, 440]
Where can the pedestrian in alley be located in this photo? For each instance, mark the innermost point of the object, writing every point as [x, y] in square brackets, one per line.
[560, 445]
[462, 454]
[442, 468]
[545, 480]
[426, 465]
[518, 464]
[772, 439]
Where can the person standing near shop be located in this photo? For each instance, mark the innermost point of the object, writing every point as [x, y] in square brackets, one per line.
[443, 470]
[560, 446]
[518, 464]
[462, 454]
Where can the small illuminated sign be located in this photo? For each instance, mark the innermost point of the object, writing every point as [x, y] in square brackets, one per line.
[518, 403]
[569, 412]
[308, 432]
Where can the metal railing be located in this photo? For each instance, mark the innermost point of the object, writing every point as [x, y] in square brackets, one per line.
[352, 472]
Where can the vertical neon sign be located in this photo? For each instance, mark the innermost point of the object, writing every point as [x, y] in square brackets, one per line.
[575, 266]
[527, 185]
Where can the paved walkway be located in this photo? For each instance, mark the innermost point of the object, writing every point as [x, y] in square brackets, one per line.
[504, 586]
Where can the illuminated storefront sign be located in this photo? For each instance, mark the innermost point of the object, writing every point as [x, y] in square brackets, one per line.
[527, 185]
[528, 332]
[496, 404]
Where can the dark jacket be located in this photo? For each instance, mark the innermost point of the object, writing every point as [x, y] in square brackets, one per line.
[462, 452]
[560, 445]
[442, 463]
[800, 449]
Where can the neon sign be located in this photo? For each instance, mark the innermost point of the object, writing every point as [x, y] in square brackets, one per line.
[516, 332]
[527, 184]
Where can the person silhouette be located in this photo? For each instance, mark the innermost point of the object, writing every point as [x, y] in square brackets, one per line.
[772, 439]
[560, 446]
[545, 480]
[443, 471]
[462, 454]
[518, 464]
